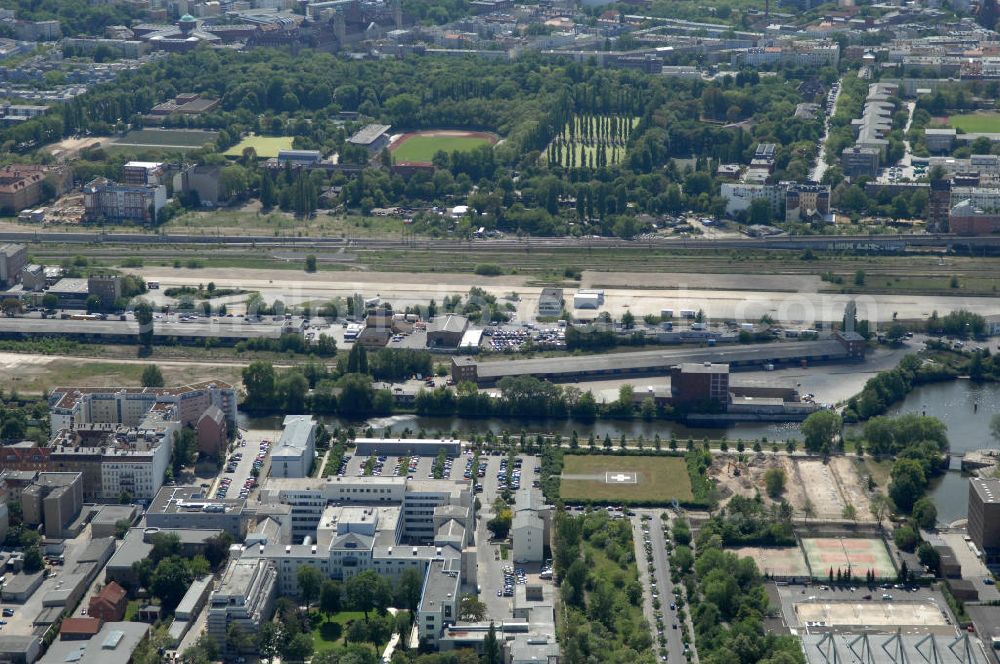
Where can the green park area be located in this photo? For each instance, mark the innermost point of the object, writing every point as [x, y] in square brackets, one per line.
[265, 146]
[976, 123]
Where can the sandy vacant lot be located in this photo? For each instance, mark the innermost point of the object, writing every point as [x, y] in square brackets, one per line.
[830, 487]
[871, 613]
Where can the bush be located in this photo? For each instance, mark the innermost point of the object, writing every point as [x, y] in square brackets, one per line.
[905, 538]
[488, 270]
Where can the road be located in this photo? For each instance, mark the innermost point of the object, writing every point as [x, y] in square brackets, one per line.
[821, 165]
[660, 572]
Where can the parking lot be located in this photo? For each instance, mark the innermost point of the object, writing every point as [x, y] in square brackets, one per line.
[819, 607]
[252, 449]
[496, 573]
[417, 467]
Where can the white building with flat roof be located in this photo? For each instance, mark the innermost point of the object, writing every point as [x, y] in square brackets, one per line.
[295, 452]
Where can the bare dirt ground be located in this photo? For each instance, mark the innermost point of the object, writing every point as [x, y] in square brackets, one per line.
[69, 147]
[852, 486]
[830, 487]
[744, 479]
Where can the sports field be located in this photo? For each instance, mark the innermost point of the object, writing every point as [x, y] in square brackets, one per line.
[974, 123]
[857, 554]
[266, 146]
[609, 478]
[167, 138]
[419, 147]
[782, 562]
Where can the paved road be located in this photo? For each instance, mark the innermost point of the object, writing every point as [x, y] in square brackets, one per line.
[821, 165]
[660, 572]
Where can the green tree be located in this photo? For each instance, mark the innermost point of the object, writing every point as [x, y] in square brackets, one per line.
[170, 581]
[774, 482]
[366, 591]
[259, 381]
[152, 376]
[491, 647]
[409, 589]
[144, 319]
[925, 513]
[908, 483]
[298, 649]
[311, 263]
[33, 561]
[471, 609]
[819, 430]
[309, 581]
[330, 595]
[905, 538]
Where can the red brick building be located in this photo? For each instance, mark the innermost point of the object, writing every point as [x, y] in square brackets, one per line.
[109, 605]
[212, 434]
[699, 384]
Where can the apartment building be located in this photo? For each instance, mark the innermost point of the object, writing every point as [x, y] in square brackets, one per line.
[53, 500]
[13, 258]
[806, 200]
[740, 195]
[110, 201]
[24, 185]
[70, 407]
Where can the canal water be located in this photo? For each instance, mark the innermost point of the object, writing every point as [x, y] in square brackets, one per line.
[964, 407]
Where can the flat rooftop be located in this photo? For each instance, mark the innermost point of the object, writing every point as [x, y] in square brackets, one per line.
[987, 489]
[369, 134]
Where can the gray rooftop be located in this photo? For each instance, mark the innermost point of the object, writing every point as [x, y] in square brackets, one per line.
[449, 323]
[114, 643]
[987, 489]
[441, 585]
[368, 135]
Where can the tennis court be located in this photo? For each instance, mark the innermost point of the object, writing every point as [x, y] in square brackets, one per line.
[780, 562]
[857, 554]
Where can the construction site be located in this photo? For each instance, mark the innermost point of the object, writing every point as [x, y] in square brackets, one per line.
[819, 490]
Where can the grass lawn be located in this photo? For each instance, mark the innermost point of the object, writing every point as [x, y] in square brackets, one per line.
[167, 138]
[658, 478]
[423, 148]
[976, 122]
[132, 610]
[266, 146]
[329, 634]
